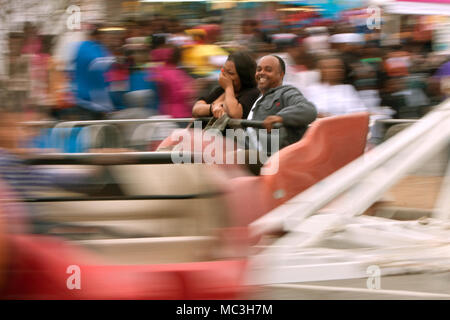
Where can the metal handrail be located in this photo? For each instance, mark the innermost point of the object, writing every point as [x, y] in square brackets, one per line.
[397, 121]
[126, 198]
[115, 158]
[64, 124]
[61, 137]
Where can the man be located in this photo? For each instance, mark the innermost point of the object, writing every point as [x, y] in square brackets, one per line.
[280, 103]
[441, 80]
[91, 89]
[332, 96]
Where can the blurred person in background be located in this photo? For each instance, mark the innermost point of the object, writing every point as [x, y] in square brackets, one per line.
[391, 94]
[440, 82]
[367, 85]
[251, 37]
[118, 80]
[409, 103]
[332, 96]
[236, 91]
[138, 28]
[418, 58]
[366, 75]
[317, 39]
[140, 96]
[117, 76]
[419, 71]
[349, 44]
[246, 34]
[91, 89]
[18, 77]
[159, 24]
[26, 181]
[32, 42]
[372, 56]
[41, 64]
[203, 58]
[213, 32]
[61, 73]
[298, 62]
[160, 49]
[402, 91]
[177, 36]
[175, 87]
[397, 62]
[61, 97]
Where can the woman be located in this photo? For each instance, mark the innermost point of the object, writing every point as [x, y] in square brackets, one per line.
[174, 85]
[332, 96]
[236, 92]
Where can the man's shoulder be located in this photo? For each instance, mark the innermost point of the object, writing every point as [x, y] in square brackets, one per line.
[86, 45]
[85, 49]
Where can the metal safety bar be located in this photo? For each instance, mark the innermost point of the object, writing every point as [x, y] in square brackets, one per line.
[123, 198]
[109, 158]
[68, 124]
[137, 134]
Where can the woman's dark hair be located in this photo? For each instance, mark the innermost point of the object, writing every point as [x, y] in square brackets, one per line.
[245, 67]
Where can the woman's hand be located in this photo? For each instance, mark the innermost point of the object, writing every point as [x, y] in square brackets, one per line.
[218, 110]
[224, 81]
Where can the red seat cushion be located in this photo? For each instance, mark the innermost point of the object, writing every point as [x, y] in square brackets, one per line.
[38, 270]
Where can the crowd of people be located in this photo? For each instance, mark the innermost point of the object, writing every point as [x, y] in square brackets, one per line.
[159, 67]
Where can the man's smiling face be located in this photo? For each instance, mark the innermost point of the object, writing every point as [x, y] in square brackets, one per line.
[268, 74]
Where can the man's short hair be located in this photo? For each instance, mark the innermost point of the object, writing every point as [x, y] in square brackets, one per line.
[282, 64]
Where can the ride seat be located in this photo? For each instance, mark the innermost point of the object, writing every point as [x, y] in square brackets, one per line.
[328, 144]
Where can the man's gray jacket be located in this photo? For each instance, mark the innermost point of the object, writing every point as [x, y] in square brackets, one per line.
[289, 103]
